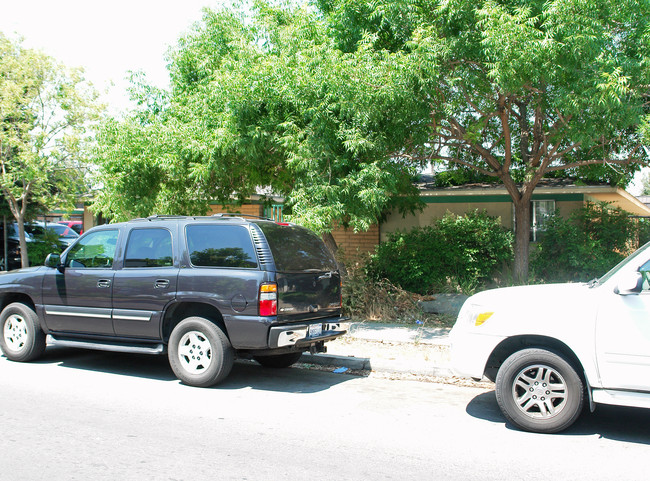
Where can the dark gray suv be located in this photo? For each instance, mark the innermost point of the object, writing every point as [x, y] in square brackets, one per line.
[203, 290]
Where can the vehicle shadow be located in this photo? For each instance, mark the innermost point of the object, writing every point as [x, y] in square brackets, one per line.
[609, 422]
[244, 375]
[296, 379]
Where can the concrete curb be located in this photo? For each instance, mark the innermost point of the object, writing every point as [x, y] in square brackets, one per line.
[366, 364]
[387, 335]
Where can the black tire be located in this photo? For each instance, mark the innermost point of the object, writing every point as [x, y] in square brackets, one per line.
[539, 391]
[21, 336]
[199, 352]
[279, 361]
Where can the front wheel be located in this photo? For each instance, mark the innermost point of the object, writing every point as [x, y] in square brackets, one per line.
[200, 353]
[21, 337]
[279, 360]
[539, 391]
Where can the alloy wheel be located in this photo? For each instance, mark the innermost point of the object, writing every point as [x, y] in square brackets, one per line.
[539, 391]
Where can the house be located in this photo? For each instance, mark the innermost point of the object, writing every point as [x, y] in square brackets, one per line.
[550, 196]
[561, 195]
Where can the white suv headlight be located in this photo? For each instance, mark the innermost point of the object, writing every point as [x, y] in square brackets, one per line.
[472, 315]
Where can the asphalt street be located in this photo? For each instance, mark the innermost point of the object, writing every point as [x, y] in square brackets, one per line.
[91, 415]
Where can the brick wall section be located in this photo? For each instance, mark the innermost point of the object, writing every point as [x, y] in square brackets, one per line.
[247, 209]
[356, 244]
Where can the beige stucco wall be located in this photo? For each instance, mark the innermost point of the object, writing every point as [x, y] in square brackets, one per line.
[88, 219]
[431, 212]
[565, 208]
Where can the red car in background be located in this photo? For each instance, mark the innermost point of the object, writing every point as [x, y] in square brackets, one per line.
[75, 225]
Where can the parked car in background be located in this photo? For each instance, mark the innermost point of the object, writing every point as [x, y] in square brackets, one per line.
[66, 234]
[203, 290]
[36, 239]
[75, 225]
[551, 349]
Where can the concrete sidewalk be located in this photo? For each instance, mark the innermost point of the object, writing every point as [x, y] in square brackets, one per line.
[388, 348]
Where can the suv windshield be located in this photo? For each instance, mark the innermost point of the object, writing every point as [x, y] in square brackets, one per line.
[296, 249]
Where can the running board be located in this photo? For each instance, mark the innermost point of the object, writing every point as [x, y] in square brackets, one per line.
[622, 398]
[107, 346]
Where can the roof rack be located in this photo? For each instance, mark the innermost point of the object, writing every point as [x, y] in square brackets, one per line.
[166, 216]
[161, 217]
[250, 216]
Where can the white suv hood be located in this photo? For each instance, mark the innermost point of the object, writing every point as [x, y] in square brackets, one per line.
[530, 309]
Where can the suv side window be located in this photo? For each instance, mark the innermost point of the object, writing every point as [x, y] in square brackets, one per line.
[95, 250]
[149, 248]
[220, 246]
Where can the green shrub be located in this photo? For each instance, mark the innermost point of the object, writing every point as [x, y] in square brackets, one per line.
[587, 244]
[456, 252]
[644, 231]
[43, 244]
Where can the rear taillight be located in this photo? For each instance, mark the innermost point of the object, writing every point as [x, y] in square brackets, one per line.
[269, 299]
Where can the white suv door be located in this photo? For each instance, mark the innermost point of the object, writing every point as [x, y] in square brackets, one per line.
[623, 337]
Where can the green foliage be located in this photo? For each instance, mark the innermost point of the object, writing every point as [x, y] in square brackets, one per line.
[461, 176]
[264, 98]
[518, 90]
[587, 244]
[456, 252]
[644, 231]
[336, 104]
[45, 113]
[46, 242]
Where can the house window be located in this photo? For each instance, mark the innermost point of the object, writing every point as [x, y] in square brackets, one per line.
[541, 211]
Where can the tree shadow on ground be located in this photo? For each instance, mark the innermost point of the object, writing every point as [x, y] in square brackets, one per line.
[609, 422]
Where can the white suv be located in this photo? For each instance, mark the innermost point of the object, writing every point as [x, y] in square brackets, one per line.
[551, 348]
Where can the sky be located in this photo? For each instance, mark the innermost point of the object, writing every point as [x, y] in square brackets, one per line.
[106, 38]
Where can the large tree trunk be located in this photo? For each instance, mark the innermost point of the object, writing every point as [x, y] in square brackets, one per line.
[522, 240]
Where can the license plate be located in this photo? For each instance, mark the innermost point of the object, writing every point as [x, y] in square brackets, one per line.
[315, 330]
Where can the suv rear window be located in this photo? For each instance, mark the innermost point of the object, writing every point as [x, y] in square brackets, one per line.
[296, 249]
[220, 246]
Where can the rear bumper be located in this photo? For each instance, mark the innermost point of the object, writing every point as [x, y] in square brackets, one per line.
[298, 335]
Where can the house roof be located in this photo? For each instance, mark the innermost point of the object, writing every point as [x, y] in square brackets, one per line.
[565, 188]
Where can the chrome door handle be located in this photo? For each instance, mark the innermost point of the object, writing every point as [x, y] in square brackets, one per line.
[161, 284]
[103, 283]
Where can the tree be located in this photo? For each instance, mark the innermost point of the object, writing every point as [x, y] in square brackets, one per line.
[521, 90]
[265, 99]
[44, 113]
[337, 105]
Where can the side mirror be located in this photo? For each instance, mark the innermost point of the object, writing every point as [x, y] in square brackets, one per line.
[53, 260]
[629, 284]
